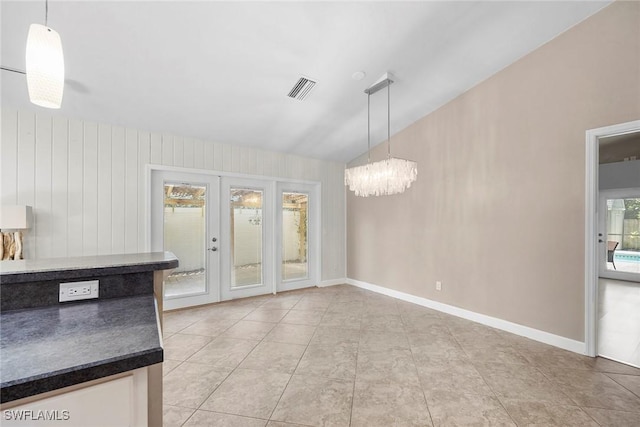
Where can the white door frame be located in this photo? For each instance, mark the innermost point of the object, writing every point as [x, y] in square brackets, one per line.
[591, 227]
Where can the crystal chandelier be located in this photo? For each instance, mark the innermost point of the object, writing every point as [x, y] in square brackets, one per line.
[385, 177]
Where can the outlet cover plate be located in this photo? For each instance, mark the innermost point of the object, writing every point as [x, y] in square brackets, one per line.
[74, 291]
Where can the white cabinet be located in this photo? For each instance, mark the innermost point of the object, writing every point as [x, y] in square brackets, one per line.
[116, 401]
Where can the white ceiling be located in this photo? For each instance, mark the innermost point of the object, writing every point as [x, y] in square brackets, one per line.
[220, 71]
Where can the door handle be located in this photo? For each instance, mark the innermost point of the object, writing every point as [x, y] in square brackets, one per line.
[213, 248]
[600, 241]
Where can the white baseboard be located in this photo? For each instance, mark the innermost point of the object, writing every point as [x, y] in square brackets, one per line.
[514, 328]
[332, 282]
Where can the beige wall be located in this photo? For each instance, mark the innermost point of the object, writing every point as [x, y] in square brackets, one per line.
[497, 213]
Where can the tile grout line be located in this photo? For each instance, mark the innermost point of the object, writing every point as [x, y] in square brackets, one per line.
[238, 365]
[297, 364]
[355, 373]
[227, 376]
[415, 366]
[608, 374]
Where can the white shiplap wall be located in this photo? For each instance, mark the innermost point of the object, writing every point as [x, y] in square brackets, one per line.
[86, 182]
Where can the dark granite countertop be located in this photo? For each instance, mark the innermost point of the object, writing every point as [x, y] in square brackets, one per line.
[46, 348]
[29, 270]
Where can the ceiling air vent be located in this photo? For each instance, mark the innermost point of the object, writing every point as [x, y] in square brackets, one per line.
[302, 88]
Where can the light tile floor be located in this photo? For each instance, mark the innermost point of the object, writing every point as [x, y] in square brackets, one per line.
[625, 266]
[619, 320]
[342, 356]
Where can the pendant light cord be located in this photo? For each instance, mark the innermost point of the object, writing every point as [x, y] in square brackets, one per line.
[389, 120]
[368, 128]
[13, 70]
[46, 13]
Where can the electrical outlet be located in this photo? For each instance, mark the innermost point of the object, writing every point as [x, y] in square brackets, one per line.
[74, 291]
[438, 285]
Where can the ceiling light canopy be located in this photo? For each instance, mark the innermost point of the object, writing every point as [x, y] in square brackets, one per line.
[385, 177]
[44, 65]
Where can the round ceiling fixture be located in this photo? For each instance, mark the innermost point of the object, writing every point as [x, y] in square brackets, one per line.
[358, 75]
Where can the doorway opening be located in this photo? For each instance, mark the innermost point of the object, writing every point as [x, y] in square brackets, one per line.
[612, 256]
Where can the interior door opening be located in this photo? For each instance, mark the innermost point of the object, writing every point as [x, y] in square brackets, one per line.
[613, 251]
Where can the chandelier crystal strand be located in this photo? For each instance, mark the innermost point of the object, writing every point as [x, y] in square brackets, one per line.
[382, 178]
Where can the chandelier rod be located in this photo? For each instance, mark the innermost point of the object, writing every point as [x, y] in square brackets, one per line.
[368, 128]
[389, 121]
[386, 82]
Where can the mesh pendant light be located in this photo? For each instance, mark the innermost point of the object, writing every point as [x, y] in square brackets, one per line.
[45, 66]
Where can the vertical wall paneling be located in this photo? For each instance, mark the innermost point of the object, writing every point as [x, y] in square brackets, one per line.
[156, 149]
[188, 153]
[249, 159]
[167, 150]
[87, 183]
[26, 159]
[104, 190]
[259, 161]
[42, 206]
[90, 190]
[178, 151]
[226, 158]
[75, 190]
[235, 158]
[198, 153]
[208, 155]
[59, 187]
[267, 163]
[131, 192]
[218, 157]
[117, 189]
[9, 157]
[144, 157]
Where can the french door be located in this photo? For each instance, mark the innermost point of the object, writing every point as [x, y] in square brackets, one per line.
[185, 219]
[296, 236]
[247, 229]
[234, 237]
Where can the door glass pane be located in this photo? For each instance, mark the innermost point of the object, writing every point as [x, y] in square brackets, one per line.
[246, 237]
[623, 235]
[294, 236]
[185, 236]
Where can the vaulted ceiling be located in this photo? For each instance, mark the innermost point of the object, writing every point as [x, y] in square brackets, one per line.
[221, 71]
